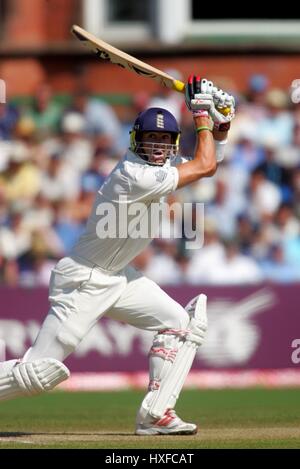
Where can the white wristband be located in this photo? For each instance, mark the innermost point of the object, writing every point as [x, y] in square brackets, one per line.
[220, 150]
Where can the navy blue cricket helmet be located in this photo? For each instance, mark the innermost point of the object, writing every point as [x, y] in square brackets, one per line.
[154, 119]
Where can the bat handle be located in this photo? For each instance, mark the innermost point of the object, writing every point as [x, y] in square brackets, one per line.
[225, 111]
[178, 86]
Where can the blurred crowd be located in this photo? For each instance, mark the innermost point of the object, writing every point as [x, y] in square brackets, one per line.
[55, 155]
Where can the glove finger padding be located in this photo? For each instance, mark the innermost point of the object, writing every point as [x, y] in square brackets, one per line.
[220, 98]
[219, 118]
[207, 87]
[201, 102]
[196, 99]
[230, 101]
[197, 85]
[223, 99]
[190, 91]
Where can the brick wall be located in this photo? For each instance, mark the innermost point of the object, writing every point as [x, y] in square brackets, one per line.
[32, 22]
[36, 24]
[65, 72]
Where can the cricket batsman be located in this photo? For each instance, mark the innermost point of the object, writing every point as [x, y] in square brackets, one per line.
[97, 280]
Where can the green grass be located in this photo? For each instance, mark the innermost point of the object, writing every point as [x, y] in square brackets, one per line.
[226, 419]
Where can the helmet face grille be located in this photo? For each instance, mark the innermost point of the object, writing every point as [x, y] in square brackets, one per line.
[148, 151]
[155, 120]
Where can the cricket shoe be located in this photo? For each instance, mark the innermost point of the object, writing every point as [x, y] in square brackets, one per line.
[169, 424]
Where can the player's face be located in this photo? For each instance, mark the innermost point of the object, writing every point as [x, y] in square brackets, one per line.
[157, 146]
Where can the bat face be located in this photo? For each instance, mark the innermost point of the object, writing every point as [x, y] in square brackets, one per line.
[105, 51]
[109, 53]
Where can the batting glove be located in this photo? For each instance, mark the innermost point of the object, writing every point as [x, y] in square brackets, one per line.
[222, 100]
[198, 102]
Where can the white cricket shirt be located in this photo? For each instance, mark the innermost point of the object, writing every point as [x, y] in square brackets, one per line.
[121, 224]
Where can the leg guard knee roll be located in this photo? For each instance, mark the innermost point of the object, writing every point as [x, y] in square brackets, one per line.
[165, 344]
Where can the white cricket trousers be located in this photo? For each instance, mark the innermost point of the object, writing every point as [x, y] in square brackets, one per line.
[81, 293]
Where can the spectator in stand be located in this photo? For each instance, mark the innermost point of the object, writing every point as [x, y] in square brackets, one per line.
[162, 267]
[38, 273]
[40, 214]
[223, 210]
[78, 148]
[15, 238]
[9, 272]
[295, 185]
[258, 86]
[291, 247]
[4, 208]
[204, 260]
[21, 181]
[277, 127]
[35, 267]
[264, 197]
[246, 154]
[45, 113]
[68, 224]
[234, 268]
[245, 233]
[275, 173]
[287, 223]
[265, 234]
[5, 150]
[288, 156]
[277, 269]
[102, 163]
[100, 119]
[9, 116]
[251, 109]
[81, 207]
[60, 180]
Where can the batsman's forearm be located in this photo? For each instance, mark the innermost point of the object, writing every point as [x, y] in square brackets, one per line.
[204, 157]
[205, 150]
[202, 122]
[204, 163]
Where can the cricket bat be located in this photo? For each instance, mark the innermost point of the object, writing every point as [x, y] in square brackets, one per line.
[105, 51]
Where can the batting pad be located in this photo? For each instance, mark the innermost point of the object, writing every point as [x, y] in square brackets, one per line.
[32, 378]
[170, 388]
